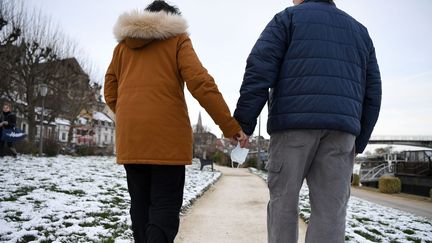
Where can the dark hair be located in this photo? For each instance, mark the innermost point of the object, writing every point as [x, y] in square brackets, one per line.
[8, 104]
[160, 5]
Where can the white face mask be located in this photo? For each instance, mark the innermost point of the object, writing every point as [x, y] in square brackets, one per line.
[239, 154]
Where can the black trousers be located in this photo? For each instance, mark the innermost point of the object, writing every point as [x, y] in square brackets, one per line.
[156, 193]
[2, 146]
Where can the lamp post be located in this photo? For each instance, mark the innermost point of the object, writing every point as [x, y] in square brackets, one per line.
[259, 162]
[43, 90]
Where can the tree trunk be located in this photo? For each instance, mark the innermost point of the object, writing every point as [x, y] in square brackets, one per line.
[31, 124]
[70, 132]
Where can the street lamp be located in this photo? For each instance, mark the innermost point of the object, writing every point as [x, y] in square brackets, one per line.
[43, 90]
[259, 162]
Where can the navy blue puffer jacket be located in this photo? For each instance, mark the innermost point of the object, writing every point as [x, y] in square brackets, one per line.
[316, 67]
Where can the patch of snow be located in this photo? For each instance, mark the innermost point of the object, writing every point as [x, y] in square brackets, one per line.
[61, 121]
[101, 116]
[370, 222]
[74, 199]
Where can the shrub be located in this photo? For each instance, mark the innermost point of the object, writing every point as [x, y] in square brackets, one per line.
[355, 180]
[251, 162]
[221, 159]
[25, 147]
[389, 184]
[217, 157]
[85, 150]
[51, 148]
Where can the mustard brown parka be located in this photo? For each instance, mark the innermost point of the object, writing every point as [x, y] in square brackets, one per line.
[144, 86]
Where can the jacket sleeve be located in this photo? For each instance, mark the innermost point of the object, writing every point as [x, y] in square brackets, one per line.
[111, 84]
[371, 102]
[262, 70]
[11, 119]
[203, 88]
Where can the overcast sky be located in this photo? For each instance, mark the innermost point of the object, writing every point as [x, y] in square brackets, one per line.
[224, 31]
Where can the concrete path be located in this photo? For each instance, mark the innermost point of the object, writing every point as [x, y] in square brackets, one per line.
[231, 211]
[420, 206]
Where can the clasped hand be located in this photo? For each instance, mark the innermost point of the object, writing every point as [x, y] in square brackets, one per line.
[242, 138]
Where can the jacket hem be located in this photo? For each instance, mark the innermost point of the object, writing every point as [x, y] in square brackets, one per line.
[271, 131]
[154, 162]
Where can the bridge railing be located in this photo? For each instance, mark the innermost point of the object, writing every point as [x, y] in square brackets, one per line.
[375, 173]
[400, 138]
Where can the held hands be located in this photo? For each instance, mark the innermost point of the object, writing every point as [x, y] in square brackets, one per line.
[242, 138]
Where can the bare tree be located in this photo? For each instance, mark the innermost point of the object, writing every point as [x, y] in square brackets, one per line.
[77, 93]
[8, 35]
[33, 51]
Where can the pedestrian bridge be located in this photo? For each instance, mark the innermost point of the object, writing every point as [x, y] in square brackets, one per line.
[424, 141]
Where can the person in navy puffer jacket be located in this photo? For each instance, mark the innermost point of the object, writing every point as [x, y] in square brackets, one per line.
[316, 67]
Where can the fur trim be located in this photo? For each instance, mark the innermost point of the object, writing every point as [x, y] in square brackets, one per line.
[149, 25]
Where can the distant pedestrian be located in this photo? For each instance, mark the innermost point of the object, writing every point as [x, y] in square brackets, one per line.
[144, 86]
[316, 67]
[7, 121]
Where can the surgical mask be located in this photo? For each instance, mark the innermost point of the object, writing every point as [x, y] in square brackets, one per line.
[239, 154]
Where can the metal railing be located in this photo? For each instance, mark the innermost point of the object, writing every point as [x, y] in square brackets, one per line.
[373, 174]
[401, 138]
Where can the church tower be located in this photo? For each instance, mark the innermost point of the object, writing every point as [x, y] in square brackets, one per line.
[199, 126]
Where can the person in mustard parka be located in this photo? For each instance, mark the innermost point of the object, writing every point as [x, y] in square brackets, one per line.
[144, 86]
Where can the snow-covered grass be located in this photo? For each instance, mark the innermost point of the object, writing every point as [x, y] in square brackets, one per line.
[73, 199]
[370, 222]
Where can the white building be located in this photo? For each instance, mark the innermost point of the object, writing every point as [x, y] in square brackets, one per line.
[104, 129]
[62, 129]
[92, 128]
[49, 128]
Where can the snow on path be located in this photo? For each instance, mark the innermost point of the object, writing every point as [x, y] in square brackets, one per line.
[370, 222]
[73, 199]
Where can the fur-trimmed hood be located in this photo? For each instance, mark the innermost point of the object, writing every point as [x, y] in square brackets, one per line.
[142, 24]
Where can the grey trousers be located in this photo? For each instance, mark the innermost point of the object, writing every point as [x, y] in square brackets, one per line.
[325, 158]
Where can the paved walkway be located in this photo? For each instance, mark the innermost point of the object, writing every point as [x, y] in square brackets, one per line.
[231, 211]
[420, 206]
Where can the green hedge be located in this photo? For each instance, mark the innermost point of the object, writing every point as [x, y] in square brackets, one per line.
[85, 150]
[389, 184]
[355, 180]
[51, 148]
